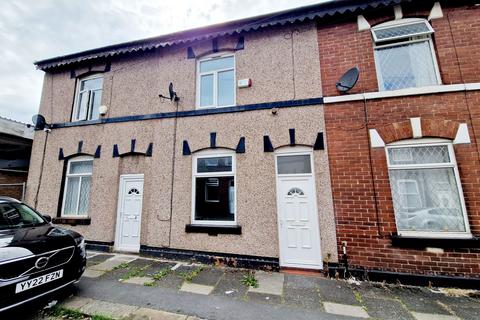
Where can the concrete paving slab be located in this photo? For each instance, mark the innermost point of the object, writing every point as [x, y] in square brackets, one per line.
[374, 290]
[467, 312]
[97, 258]
[264, 298]
[157, 266]
[108, 309]
[345, 310]
[208, 276]
[138, 280]
[301, 282]
[386, 309]
[230, 284]
[419, 300]
[89, 273]
[172, 281]
[302, 297]
[75, 302]
[270, 283]
[112, 262]
[196, 288]
[152, 314]
[432, 316]
[336, 291]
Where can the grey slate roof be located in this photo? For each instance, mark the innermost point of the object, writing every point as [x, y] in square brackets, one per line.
[306, 13]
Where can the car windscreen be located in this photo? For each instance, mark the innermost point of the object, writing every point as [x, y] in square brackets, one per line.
[17, 215]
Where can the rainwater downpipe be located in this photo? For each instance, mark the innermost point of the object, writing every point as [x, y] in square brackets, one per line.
[346, 272]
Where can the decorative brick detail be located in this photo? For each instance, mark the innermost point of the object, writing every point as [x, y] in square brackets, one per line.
[439, 128]
[431, 127]
[396, 131]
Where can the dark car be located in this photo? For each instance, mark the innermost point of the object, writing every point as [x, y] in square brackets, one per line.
[36, 258]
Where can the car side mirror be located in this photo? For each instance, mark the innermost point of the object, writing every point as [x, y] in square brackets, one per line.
[47, 217]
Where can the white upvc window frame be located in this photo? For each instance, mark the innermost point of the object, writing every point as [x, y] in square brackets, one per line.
[215, 80]
[77, 96]
[294, 151]
[401, 40]
[425, 142]
[195, 174]
[71, 175]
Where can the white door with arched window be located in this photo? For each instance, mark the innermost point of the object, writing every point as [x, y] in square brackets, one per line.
[299, 235]
[129, 214]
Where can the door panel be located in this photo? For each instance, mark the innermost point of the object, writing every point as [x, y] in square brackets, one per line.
[129, 215]
[298, 221]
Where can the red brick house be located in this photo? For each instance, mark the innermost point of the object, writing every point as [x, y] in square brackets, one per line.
[403, 143]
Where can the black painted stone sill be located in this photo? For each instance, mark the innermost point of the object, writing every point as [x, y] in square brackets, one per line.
[213, 230]
[72, 221]
[444, 243]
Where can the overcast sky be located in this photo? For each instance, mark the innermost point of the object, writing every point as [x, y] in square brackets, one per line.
[32, 30]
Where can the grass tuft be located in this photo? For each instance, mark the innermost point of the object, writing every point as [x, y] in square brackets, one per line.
[249, 280]
[123, 265]
[70, 314]
[135, 272]
[189, 276]
[161, 273]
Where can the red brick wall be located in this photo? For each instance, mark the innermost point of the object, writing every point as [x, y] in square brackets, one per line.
[456, 40]
[361, 189]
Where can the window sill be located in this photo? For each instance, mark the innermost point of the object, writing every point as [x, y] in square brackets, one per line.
[213, 230]
[72, 221]
[444, 243]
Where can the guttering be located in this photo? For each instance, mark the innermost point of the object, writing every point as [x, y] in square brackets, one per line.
[474, 86]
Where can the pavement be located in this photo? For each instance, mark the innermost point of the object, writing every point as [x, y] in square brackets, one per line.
[122, 286]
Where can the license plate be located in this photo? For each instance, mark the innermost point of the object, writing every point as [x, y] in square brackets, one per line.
[35, 282]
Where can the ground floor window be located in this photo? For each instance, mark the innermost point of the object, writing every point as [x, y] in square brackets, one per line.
[426, 190]
[77, 186]
[214, 188]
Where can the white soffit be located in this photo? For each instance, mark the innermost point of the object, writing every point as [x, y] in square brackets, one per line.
[362, 23]
[416, 127]
[462, 134]
[375, 140]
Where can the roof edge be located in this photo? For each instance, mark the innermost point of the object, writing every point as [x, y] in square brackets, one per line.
[304, 13]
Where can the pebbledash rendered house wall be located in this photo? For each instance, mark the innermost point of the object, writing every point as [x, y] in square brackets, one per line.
[362, 193]
[283, 65]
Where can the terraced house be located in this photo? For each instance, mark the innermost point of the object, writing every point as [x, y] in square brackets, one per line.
[236, 142]
[402, 144]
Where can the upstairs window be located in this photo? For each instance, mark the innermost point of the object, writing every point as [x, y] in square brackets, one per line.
[426, 190]
[214, 188]
[404, 54]
[216, 81]
[78, 181]
[88, 98]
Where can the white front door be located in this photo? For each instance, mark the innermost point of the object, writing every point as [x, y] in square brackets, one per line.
[129, 213]
[299, 234]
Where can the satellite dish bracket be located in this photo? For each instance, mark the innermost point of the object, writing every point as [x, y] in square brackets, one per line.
[172, 94]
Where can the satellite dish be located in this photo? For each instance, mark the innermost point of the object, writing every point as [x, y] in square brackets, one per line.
[39, 122]
[172, 95]
[348, 80]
